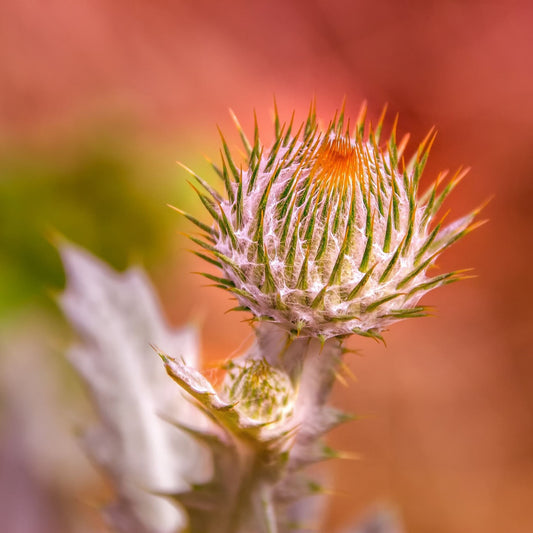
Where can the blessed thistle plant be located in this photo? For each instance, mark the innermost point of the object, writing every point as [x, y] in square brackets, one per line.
[321, 236]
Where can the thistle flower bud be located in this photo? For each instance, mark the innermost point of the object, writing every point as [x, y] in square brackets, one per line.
[325, 234]
[260, 391]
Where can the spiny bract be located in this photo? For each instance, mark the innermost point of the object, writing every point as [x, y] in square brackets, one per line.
[325, 233]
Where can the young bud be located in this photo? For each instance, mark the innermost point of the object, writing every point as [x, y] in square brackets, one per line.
[260, 391]
[325, 234]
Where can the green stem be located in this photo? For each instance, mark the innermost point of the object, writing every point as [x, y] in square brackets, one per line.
[253, 504]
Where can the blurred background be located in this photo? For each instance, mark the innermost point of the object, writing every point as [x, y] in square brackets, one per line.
[97, 102]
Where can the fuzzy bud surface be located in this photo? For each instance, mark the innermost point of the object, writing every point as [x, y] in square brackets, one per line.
[325, 233]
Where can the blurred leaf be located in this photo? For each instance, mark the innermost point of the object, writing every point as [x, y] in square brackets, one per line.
[117, 317]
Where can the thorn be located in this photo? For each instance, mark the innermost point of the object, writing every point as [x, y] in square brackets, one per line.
[348, 371]
[177, 209]
[379, 126]
[340, 378]
[360, 123]
[186, 168]
[484, 204]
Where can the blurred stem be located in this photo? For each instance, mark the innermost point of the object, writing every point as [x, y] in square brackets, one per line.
[312, 367]
[253, 505]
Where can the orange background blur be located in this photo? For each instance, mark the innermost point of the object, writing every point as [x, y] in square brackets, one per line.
[97, 102]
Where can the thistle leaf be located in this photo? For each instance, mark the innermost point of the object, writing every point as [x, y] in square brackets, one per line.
[117, 317]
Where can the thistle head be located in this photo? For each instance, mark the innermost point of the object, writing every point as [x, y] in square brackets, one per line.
[325, 233]
[259, 391]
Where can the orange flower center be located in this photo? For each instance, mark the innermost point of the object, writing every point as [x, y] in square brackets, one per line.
[337, 163]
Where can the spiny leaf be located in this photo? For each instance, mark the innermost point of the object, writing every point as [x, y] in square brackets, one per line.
[292, 145]
[340, 257]
[361, 119]
[243, 293]
[286, 226]
[229, 158]
[106, 308]
[379, 126]
[357, 289]
[308, 235]
[392, 262]
[208, 259]
[340, 121]
[413, 312]
[203, 244]
[277, 131]
[261, 210]
[427, 243]
[325, 236]
[342, 318]
[388, 229]
[368, 248]
[234, 266]
[194, 220]
[269, 285]
[421, 162]
[372, 333]
[216, 279]
[255, 171]
[443, 279]
[392, 147]
[312, 201]
[319, 298]
[459, 175]
[429, 196]
[461, 234]
[302, 282]
[226, 178]
[395, 202]
[402, 146]
[289, 130]
[244, 139]
[227, 228]
[341, 199]
[409, 234]
[311, 120]
[255, 156]
[274, 151]
[214, 194]
[238, 206]
[208, 204]
[238, 308]
[215, 167]
[416, 271]
[291, 252]
[330, 418]
[377, 303]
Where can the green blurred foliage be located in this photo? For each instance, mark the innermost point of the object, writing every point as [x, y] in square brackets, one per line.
[100, 191]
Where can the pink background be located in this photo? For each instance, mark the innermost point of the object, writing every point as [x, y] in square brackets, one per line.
[446, 433]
